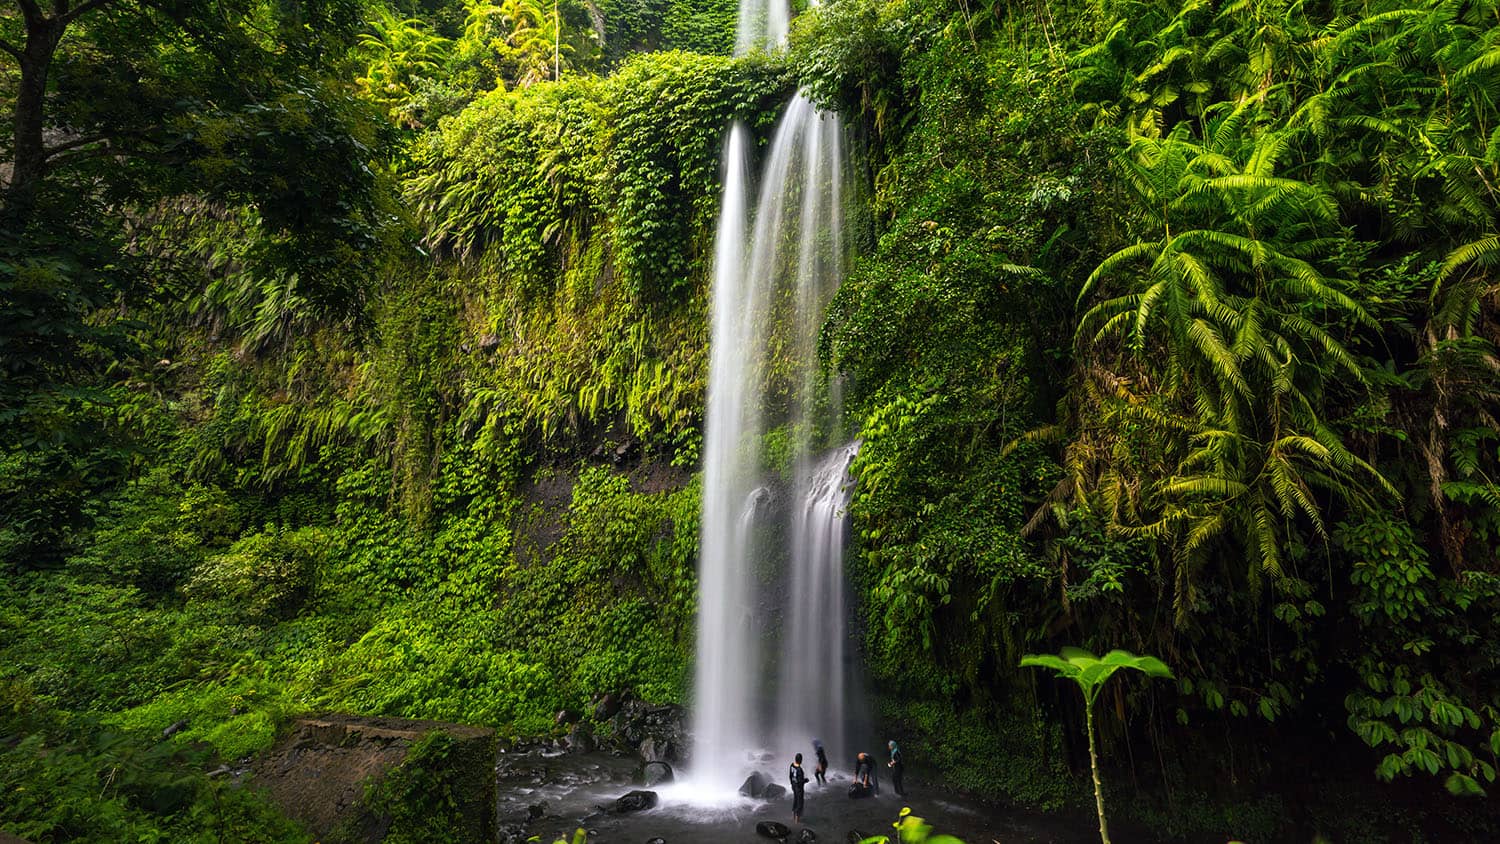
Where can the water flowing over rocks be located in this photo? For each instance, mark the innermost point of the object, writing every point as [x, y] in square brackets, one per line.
[635, 801]
[755, 785]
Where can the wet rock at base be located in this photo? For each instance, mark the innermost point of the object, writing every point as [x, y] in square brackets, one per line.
[859, 790]
[581, 740]
[773, 829]
[664, 725]
[635, 801]
[657, 773]
[755, 785]
[773, 792]
[656, 750]
[606, 707]
[806, 836]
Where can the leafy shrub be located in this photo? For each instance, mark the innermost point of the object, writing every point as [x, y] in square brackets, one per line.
[263, 576]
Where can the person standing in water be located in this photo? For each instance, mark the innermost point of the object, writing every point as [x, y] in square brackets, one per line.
[798, 779]
[821, 771]
[863, 767]
[898, 767]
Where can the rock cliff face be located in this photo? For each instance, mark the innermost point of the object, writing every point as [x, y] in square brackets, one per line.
[328, 773]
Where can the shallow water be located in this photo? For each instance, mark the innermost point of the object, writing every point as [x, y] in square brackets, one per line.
[573, 789]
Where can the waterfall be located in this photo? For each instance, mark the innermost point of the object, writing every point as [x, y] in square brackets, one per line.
[777, 262]
[814, 677]
[725, 646]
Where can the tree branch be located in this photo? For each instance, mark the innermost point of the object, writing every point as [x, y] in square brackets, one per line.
[30, 10]
[83, 9]
[10, 48]
[76, 142]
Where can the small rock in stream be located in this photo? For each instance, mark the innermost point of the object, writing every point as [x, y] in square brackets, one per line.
[755, 785]
[773, 829]
[636, 801]
[773, 792]
[806, 836]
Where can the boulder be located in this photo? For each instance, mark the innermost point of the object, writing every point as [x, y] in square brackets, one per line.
[773, 829]
[565, 716]
[174, 729]
[657, 773]
[773, 792]
[321, 772]
[656, 750]
[581, 740]
[635, 721]
[607, 707]
[806, 836]
[635, 801]
[755, 785]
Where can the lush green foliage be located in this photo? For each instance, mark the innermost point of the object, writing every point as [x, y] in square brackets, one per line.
[352, 356]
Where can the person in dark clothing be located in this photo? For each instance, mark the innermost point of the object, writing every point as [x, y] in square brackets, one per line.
[798, 779]
[821, 771]
[863, 767]
[898, 767]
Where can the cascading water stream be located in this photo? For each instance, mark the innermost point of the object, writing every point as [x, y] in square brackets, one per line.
[814, 675]
[774, 272]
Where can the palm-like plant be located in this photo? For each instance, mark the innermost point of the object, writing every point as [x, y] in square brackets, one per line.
[1229, 308]
[1091, 673]
[396, 52]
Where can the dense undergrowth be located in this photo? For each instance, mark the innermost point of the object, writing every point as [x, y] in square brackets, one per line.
[1172, 328]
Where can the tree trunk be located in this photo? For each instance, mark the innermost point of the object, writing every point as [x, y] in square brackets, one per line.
[30, 162]
[1088, 714]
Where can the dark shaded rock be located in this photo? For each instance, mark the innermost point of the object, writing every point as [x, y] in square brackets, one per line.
[581, 740]
[755, 785]
[657, 773]
[773, 792]
[656, 750]
[565, 716]
[636, 801]
[859, 790]
[535, 810]
[174, 729]
[773, 829]
[665, 724]
[513, 833]
[607, 707]
[806, 836]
